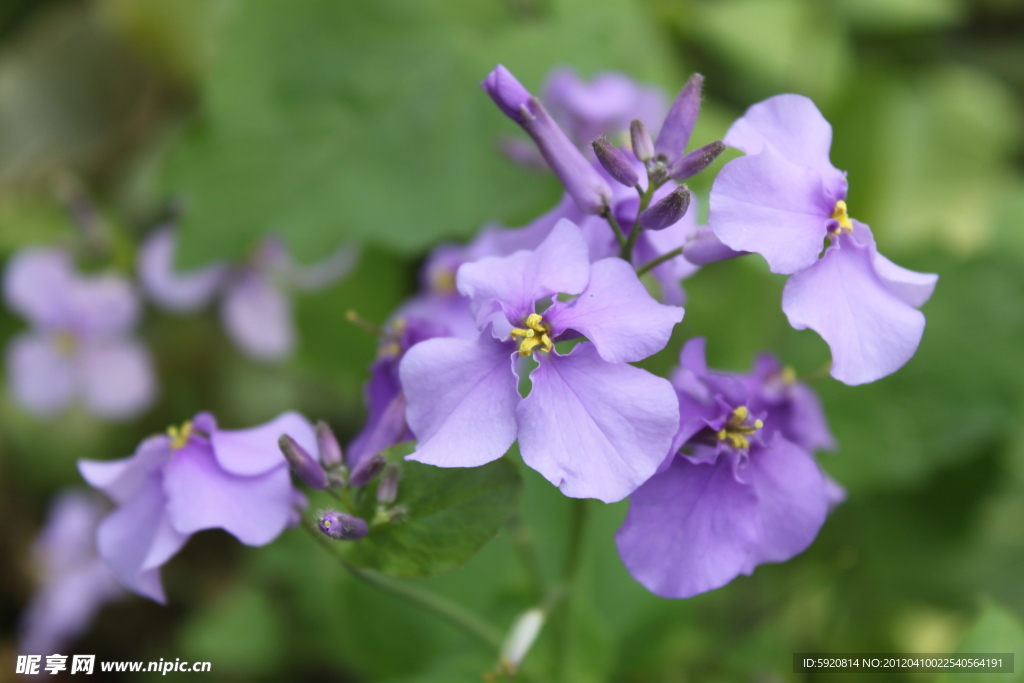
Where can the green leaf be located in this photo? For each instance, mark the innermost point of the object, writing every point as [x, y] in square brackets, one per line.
[996, 631]
[449, 514]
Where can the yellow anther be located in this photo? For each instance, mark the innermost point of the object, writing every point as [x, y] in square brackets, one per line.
[840, 214]
[442, 281]
[389, 350]
[180, 435]
[66, 343]
[788, 375]
[533, 335]
[736, 429]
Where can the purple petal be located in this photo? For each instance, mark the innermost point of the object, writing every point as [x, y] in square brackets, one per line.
[870, 330]
[174, 291]
[507, 92]
[696, 526]
[248, 452]
[768, 205]
[258, 318]
[202, 495]
[497, 241]
[462, 396]
[671, 273]
[102, 306]
[595, 429]
[617, 314]
[36, 283]
[794, 127]
[316, 276]
[134, 538]
[41, 376]
[117, 378]
[704, 247]
[604, 106]
[121, 479]
[912, 287]
[560, 264]
[682, 117]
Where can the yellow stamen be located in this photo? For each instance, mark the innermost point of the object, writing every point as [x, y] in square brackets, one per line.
[179, 436]
[533, 335]
[66, 343]
[788, 375]
[442, 281]
[840, 214]
[389, 350]
[736, 429]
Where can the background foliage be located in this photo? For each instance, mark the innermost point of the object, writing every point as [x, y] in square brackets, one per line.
[361, 122]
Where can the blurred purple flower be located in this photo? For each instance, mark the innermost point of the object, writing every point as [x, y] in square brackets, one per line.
[194, 478]
[592, 424]
[740, 493]
[74, 582]
[79, 345]
[256, 309]
[782, 201]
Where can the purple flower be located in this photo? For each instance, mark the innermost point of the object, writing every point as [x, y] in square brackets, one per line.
[79, 345]
[740, 493]
[74, 582]
[782, 201]
[592, 424]
[587, 187]
[604, 106]
[194, 478]
[256, 309]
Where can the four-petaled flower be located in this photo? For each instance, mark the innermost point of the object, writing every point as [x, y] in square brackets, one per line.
[591, 424]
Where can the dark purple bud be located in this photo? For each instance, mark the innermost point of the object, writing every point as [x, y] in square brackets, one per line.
[302, 463]
[330, 451]
[342, 526]
[367, 470]
[703, 248]
[387, 490]
[681, 119]
[581, 180]
[667, 211]
[615, 161]
[643, 147]
[696, 161]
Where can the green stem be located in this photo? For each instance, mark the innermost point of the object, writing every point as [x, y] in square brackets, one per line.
[616, 228]
[567, 590]
[626, 251]
[654, 263]
[527, 552]
[435, 604]
[574, 544]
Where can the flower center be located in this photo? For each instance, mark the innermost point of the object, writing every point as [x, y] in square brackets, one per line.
[180, 435]
[737, 428]
[839, 213]
[533, 335]
[66, 343]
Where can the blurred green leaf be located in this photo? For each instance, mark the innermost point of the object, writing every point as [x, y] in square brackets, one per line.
[449, 514]
[995, 631]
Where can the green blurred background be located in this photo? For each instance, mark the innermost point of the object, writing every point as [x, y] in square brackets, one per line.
[330, 121]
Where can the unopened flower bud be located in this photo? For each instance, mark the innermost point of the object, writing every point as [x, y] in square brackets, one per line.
[581, 180]
[330, 451]
[387, 490]
[342, 526]
[667, 211]
[615, 161]
[302, 463]
[521, 637]
[682, 117]
[643, 146]
[696, 161]
[367, 470]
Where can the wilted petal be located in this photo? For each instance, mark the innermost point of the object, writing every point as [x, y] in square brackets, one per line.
[462, 396]
[134, 536]
[870, 330]
[121, 479]
[41, 376]
[794, 127]
[117, 378]
[175, 291]
[617, 314]
[513, 284]
[595, 429]
[768, 205]
[254, 451]
[258, 318]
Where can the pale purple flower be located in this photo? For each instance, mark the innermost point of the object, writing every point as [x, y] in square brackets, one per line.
[737, 495]
[603, 106]
[79, 345]
[593, 425]
[194, 478]
[680, 121]
[256, 308]
[783, 200]
[587, 187]
[73, 581]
